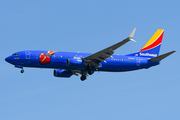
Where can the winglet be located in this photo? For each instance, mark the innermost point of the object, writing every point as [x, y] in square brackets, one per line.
[159, 58]
[132, 34]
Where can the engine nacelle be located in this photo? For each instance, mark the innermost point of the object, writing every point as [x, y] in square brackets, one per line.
[72, 62]
[62, 73]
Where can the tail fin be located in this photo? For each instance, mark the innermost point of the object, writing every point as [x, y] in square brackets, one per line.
[152, 47]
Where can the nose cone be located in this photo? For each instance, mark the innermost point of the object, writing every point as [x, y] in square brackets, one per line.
[7, 59]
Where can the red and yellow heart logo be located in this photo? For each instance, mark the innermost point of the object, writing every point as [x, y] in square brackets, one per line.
[44, 59]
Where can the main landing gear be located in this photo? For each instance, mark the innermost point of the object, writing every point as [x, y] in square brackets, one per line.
[90, 72]
[83, 77]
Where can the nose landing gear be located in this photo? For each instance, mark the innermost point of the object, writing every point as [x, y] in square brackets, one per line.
[22, 71]
[19, 66]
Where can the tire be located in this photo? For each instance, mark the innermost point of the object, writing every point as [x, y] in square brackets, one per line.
[83, 77]
[90, 72]
[22, 71]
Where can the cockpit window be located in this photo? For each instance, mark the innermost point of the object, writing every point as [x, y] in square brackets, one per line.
[15, 54]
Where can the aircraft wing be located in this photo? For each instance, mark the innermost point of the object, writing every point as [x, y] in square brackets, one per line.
[96, 58]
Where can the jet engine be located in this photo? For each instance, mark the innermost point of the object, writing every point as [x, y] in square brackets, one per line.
[75, 63]
[62, 73]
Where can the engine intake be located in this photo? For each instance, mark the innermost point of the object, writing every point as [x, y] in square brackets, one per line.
[62, 73]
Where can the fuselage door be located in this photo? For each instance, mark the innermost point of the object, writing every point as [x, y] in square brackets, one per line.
[27, 54]
[137, 61]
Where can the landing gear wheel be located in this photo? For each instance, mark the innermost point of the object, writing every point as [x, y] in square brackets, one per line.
[90, 72]
[83, 77]
[22, 71]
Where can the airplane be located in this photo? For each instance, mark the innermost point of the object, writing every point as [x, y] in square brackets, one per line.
[66, 64]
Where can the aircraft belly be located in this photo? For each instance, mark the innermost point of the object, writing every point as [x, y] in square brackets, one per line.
[119, 66]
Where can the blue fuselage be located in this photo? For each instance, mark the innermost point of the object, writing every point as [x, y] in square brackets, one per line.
[58, 60]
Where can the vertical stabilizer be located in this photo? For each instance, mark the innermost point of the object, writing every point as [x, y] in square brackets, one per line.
[152, 47]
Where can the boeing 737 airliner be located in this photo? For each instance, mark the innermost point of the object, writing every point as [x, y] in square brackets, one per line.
[66, 64]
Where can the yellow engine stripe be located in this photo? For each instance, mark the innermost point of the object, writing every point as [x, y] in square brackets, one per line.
[154, 37]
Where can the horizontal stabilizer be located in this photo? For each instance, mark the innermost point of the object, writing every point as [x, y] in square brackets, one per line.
[159, 58]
